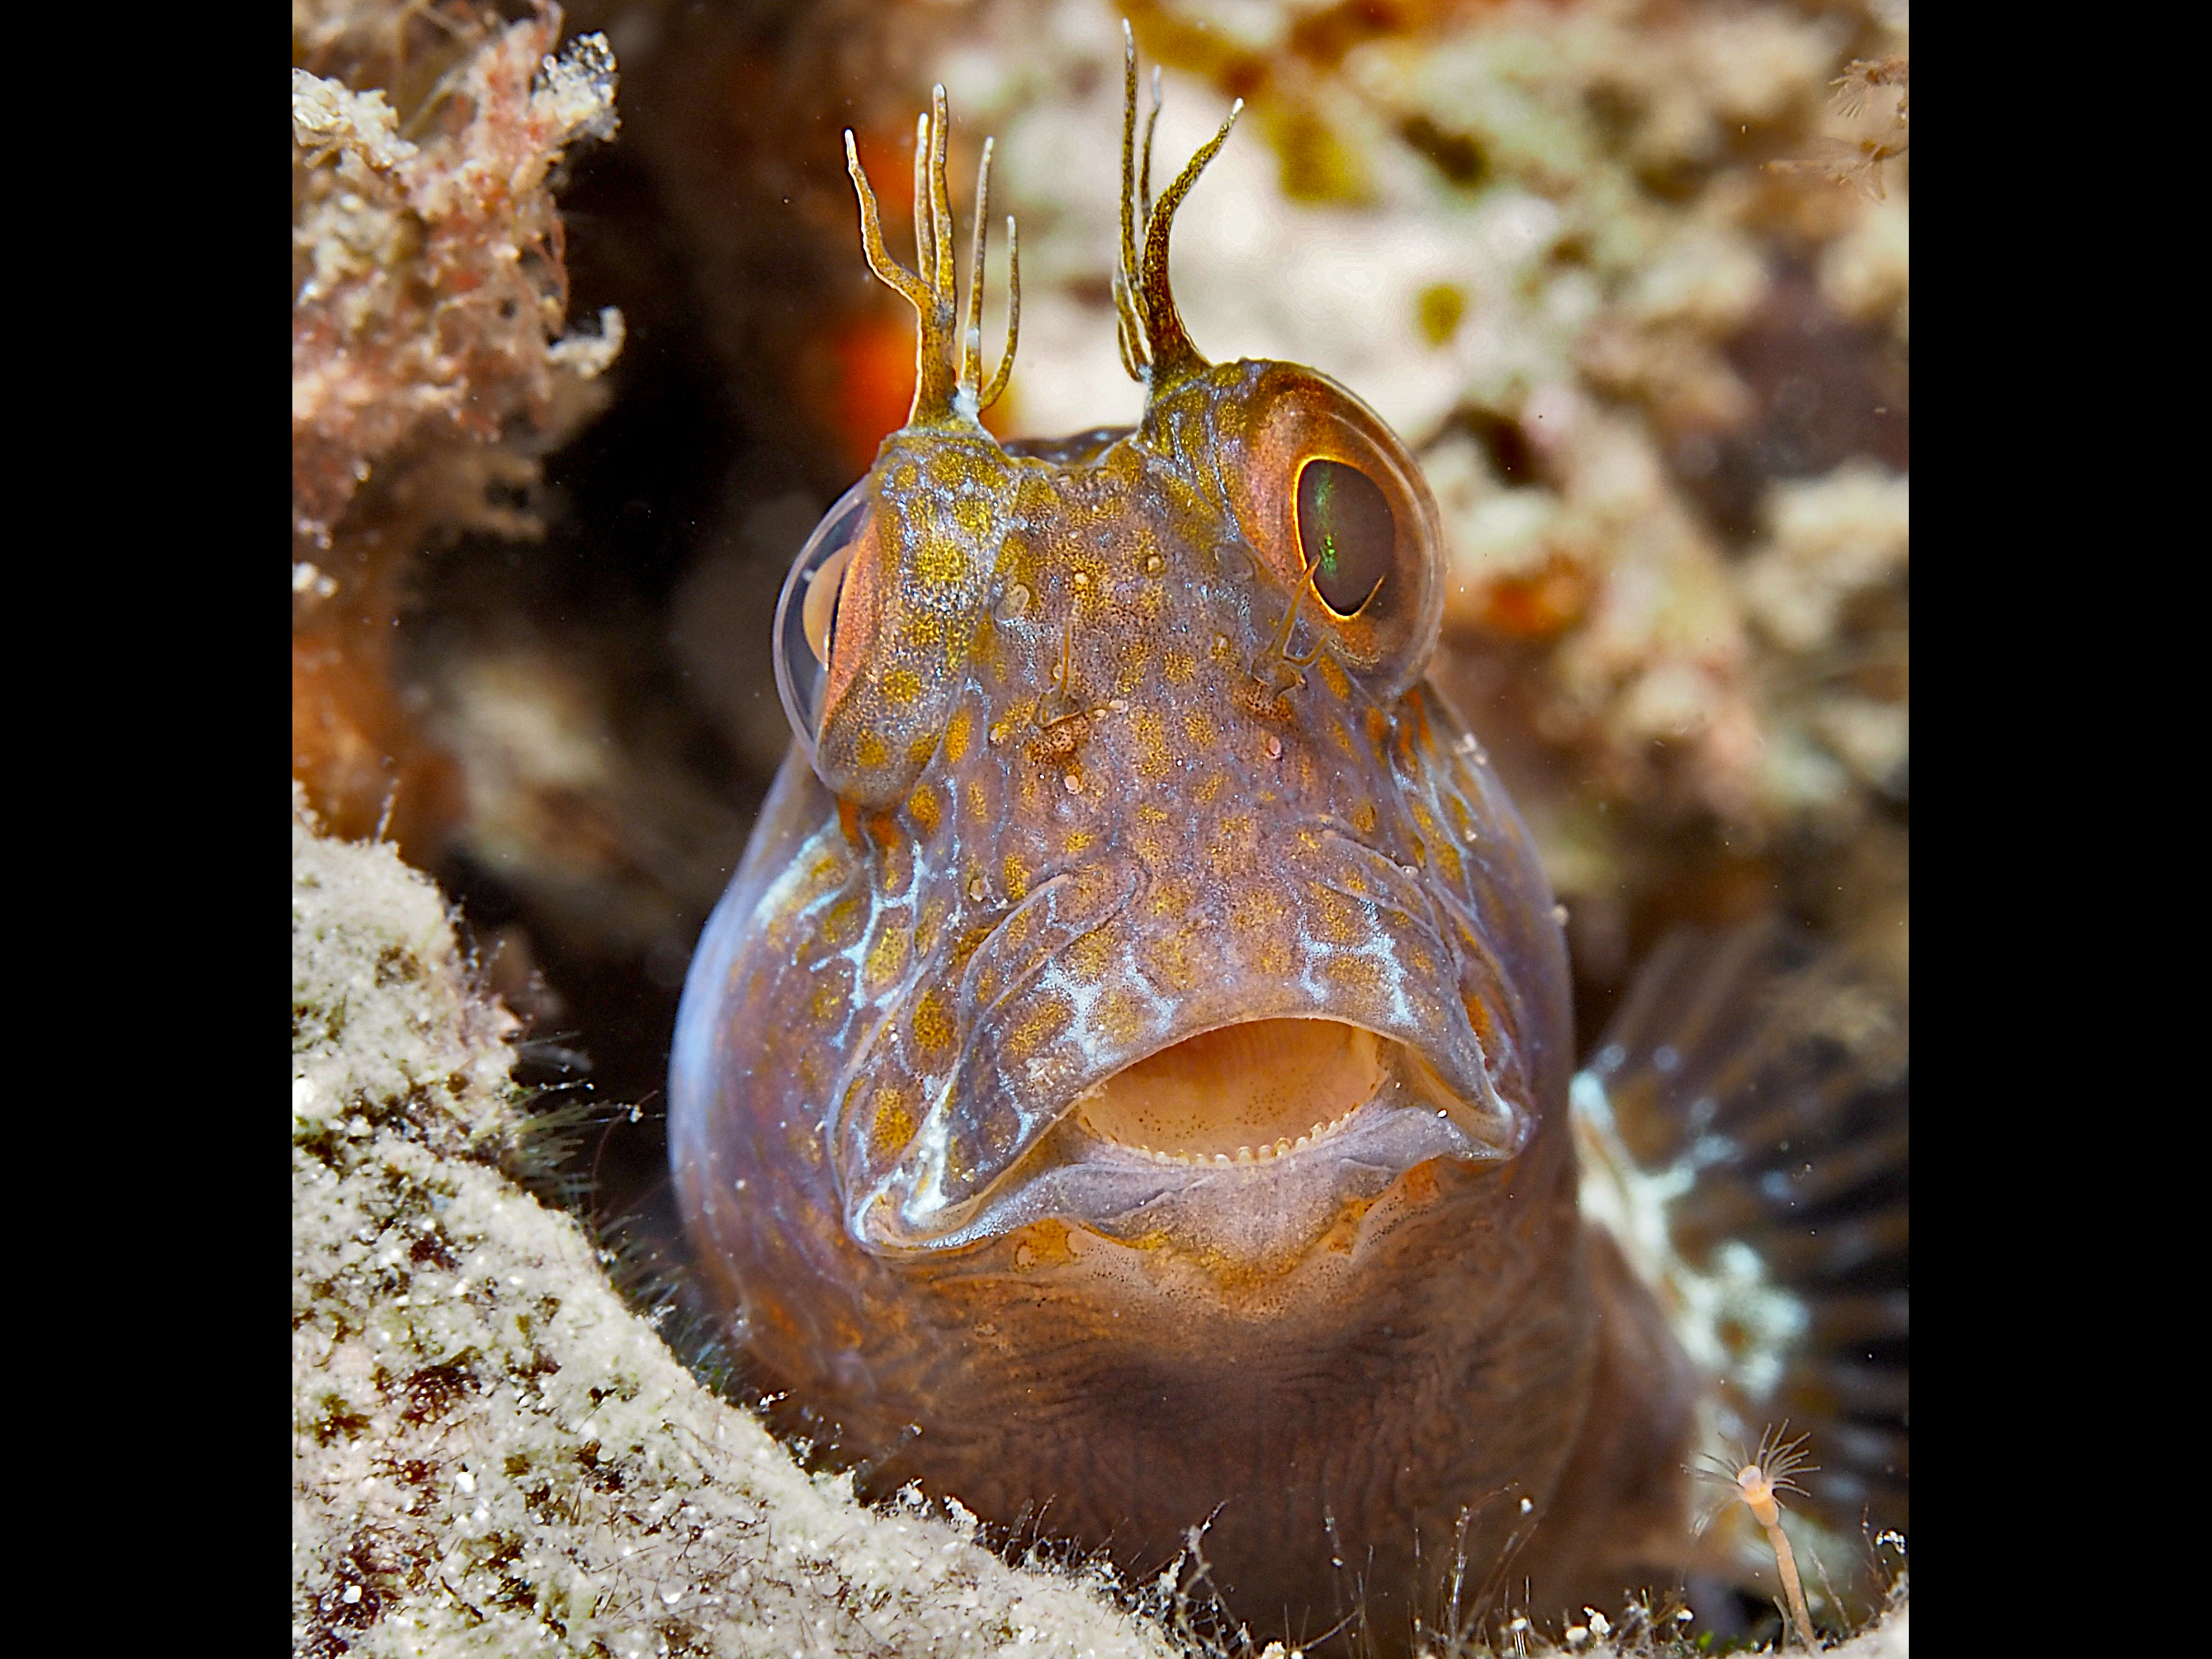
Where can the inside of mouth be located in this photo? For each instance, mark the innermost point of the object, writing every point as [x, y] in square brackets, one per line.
[1244, 1092]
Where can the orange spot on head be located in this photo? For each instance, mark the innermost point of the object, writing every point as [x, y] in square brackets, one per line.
[1478, 1016]
[1087, 959]
[886, 957]
[1043, 1244]
[893, 1126]
[933, 1029]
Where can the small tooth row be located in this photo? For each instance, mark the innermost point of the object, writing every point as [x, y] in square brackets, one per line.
[1249, 1154]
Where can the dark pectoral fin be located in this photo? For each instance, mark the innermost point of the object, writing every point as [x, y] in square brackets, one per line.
[1751, 1098]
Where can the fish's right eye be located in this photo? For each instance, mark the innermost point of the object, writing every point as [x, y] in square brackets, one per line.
[806, 615]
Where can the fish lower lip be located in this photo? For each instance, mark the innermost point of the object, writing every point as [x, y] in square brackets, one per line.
[1267, 1150]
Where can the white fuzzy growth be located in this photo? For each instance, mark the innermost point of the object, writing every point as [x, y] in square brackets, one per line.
[327, 115]
[576, 90]
[587, 357]
[1734, 1292]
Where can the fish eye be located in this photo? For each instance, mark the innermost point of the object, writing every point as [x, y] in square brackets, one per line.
[806, 615]
[1333, 505]
[1346, 533]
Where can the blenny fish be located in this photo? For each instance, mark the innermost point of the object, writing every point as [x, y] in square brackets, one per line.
[1126, 1086]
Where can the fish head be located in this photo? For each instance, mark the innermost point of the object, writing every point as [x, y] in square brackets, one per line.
[1164, 899]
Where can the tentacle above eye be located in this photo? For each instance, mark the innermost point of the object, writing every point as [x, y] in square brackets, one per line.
[1156, 348]
[948, 359]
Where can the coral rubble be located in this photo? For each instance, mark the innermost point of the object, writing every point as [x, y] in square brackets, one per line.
[429, 365]
[429, 294]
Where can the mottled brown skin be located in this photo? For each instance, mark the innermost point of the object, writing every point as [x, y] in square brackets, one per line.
[1098, 773]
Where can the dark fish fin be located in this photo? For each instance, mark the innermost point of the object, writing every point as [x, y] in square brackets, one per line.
[1744, 1128]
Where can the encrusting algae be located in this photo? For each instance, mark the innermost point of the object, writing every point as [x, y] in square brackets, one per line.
[429, 365]
[492, 1452]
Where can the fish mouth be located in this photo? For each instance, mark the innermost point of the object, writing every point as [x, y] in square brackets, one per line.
[1246, 1140]
[1097, 1032]
[1245, 1093]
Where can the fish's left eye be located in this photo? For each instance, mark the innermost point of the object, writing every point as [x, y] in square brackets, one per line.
[1346, 533]
[1335, 507]
[806, 615]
